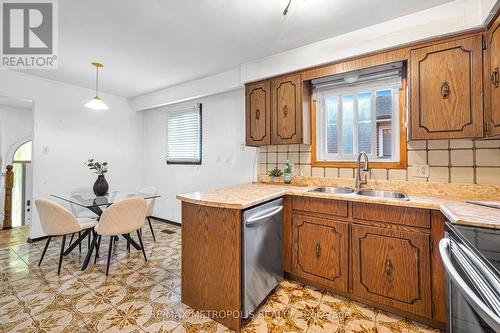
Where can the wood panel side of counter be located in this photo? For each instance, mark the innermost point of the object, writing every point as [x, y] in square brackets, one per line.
[211, 262]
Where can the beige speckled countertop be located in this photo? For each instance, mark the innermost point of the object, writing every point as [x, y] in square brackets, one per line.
[248, 195]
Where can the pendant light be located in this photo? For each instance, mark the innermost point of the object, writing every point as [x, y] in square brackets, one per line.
[96, 103]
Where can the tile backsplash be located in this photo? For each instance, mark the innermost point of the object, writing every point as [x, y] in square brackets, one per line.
[449, 161]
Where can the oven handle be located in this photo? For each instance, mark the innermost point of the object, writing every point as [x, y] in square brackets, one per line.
[488, 316]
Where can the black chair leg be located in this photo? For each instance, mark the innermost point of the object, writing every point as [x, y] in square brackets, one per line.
[71, 239]
[79, 244]
[88, 244]
[44, 250]
[142, 246]
[98, 246]
[61, 254]
[151, 227]
[111, 241]
[128, 243]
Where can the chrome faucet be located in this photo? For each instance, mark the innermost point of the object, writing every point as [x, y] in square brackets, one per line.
[360, 181]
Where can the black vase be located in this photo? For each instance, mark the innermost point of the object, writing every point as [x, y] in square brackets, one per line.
[101, 186]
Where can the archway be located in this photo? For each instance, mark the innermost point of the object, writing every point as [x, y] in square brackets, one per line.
[21, 192]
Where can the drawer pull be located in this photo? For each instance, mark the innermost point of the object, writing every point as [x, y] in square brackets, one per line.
[388, 267]
[257, 114]
[445, 90]
[318, 250]
[494, 77]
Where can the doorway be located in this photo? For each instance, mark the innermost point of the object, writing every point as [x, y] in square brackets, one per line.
[21, 192]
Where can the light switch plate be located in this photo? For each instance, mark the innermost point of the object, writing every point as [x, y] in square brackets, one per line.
[421, 171]
[45, 150]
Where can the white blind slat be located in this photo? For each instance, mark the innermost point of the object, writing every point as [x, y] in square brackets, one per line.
[184, 135]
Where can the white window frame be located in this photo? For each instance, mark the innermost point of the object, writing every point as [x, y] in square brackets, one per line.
[170, 157]
[322, 155]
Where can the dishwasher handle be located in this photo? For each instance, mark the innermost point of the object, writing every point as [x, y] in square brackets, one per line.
[474, 301]
[255, 220]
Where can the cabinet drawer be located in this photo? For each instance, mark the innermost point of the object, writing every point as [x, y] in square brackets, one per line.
[392, 268]
[415, 217]
[324, 206]
[320, 251]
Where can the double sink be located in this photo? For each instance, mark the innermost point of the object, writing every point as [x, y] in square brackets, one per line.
[366, 193]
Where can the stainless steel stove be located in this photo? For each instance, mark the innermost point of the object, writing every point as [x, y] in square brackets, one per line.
[471, 257]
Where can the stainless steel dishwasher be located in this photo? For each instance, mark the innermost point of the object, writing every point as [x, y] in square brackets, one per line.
[262, 253]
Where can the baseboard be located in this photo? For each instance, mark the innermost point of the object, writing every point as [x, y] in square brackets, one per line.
[166, 221]
[33, 240]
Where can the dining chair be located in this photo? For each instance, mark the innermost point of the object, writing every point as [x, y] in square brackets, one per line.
[150, 207]
[58, 221]
[121, 218]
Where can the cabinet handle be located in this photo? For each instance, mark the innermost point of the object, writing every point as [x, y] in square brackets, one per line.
[445, 90]
[495, 78]
[257, 114]
[388, 267]
[285, 110]
[318, 250]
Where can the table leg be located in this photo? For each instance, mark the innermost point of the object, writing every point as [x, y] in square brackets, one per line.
[89, 253]
[77, 242]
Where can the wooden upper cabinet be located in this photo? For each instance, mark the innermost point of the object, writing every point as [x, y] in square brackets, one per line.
[286, 125]
[392, 267]
[320, 251]
[492, 78]
[258, 114]
[446, 90]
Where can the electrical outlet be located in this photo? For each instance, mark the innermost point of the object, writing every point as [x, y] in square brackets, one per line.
[422, 171]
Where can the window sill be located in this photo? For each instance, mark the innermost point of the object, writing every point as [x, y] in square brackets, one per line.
[372, 165]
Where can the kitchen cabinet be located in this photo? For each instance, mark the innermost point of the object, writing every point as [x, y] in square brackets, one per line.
[286, 108]
[320, 251]
[258, 114]
[492, 78]
[446, 90]
[277, 111]
[392, 267]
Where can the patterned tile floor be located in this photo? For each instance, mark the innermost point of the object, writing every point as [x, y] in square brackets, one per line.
[145, 297]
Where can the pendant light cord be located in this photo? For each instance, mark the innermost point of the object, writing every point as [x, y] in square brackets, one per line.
[287, 7]
[97, 82]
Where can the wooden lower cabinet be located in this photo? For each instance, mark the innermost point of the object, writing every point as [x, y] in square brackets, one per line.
[320, 251]
[392, 267]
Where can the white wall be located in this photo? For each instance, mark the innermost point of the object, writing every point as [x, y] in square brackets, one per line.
[16, 125]
[224, 161]
[73, 133]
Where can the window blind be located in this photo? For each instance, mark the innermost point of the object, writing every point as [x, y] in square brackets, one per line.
[184, 135]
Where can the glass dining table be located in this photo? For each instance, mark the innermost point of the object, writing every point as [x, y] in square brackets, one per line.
[87, 200]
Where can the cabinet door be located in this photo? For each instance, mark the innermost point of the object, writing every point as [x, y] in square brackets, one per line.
[258, 115]
[392, 267]
[320, 251]
[286, 110]
[492, 78]
[446, 92]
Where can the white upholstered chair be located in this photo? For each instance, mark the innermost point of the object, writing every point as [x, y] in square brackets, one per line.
[122, 218]
[150, 207]
[58, 221]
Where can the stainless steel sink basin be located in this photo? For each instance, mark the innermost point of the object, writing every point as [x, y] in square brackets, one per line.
[333, 190]
[384, 194]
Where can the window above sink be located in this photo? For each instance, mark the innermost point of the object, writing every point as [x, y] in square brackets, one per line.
[360, 111]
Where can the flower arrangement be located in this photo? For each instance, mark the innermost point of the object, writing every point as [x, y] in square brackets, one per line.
[98, 167]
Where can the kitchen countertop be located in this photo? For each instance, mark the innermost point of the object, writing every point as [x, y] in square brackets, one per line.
[248, 195]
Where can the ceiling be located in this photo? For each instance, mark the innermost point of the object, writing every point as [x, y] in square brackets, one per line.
[149, 45]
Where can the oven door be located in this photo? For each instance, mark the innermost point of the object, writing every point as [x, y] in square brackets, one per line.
[473, 299]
